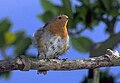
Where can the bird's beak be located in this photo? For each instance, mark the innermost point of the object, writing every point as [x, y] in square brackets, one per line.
[69, 18]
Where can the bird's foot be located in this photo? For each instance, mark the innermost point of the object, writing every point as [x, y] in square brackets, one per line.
[64, 59]
[42, 72]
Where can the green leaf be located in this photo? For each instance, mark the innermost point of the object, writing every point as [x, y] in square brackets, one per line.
[114, 12]
[105, 4]
[61, 10]
[86, 2]
[82, 11]
[9, 38]
[67, 7]
[81, 44]
[49, 6]
[2, 41]
[5, 25]
[22, 46]
[22, 43]
[94, 22]
[79, 16]
[5, 75]
[19, 36]
[46, 16]
[73, 22]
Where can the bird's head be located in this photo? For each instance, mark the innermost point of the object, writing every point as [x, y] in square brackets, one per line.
[58, 26]
[60, 20]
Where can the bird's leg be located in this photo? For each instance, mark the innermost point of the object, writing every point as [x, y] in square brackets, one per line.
[42, 56]
[38, 54]
[55, 57]
[45, 56]
[65, 59]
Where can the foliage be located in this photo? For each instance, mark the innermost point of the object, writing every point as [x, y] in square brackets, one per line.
[105, 77]
[19, 40]
[88, 13]
[81, 44]
[5, 75]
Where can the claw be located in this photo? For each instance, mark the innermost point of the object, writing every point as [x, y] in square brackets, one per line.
[42, 72]
[65, 59]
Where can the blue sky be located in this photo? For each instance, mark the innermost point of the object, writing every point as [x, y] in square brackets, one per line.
[23, 15]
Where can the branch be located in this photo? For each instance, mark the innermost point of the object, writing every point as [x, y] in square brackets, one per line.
[100, 48]
[111, 58]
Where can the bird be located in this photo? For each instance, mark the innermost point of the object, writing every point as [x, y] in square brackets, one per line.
[52, 40]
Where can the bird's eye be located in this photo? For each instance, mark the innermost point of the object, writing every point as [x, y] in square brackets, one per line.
[59, 17]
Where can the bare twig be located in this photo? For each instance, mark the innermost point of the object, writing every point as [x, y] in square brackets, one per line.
[111, 58]
[100, 48]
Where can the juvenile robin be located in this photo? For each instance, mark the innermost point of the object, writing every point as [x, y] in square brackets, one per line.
[52, 40]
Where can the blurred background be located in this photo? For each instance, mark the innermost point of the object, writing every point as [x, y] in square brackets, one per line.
[94, 27]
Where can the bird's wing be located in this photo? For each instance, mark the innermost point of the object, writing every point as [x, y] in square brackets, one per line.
[36, 37]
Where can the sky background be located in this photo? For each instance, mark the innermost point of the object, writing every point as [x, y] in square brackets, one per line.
[23, 15]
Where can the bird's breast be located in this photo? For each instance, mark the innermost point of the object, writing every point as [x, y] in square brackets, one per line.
[58, 31]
